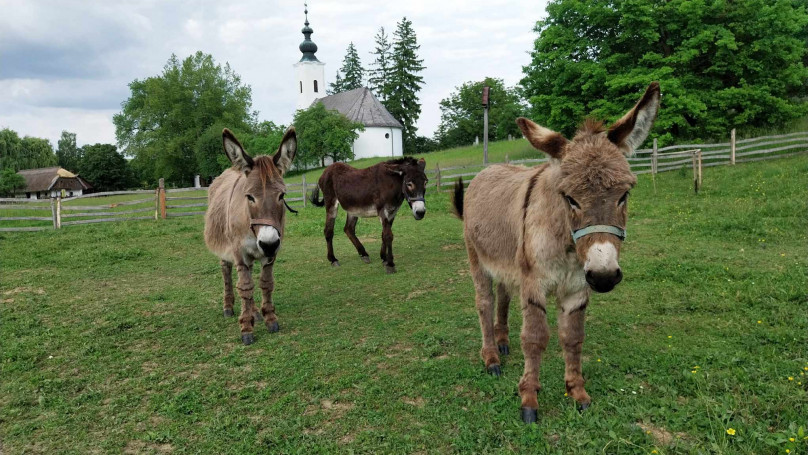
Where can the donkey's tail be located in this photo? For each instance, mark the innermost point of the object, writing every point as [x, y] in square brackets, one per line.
[457, 198]
[315, 197]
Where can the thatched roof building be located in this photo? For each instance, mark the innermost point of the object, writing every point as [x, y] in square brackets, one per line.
[50, 181]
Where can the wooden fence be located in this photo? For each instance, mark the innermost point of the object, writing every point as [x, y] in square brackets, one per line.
[162, 203]
[114, 206]
[655, 160]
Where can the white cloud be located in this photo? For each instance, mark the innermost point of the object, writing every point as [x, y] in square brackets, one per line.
[66, 64]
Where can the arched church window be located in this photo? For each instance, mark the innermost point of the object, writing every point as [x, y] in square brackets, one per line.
[315, 86]
[301, 86]
[387, 135]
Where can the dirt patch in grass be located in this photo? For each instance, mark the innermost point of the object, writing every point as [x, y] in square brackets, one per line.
[662, 436]
[452, 246]
[418, 402]
[137, 446]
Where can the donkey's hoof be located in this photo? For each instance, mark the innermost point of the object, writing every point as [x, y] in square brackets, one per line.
[390, 269]
[530, 415]
[273, 327]
[335, 264]
[366, 259]
[495, 370]
[504, 349]
[247, 339]
[228, 312]
[583, 407]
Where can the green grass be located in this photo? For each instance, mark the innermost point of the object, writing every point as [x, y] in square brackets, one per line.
[472, 155]
[112, 338]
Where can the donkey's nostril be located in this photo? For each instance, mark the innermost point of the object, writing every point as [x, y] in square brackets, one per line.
[269, 248]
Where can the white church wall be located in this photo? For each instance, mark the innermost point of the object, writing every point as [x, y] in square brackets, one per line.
[306, 74]
[378, 141]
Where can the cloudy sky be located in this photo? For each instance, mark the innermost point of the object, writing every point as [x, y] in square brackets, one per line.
[65, 64]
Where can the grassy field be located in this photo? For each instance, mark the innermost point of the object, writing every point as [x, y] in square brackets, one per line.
[112, 338]
[471, 155]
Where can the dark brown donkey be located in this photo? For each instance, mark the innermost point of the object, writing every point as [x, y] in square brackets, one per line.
[555, 229]
[377, 191]
[244, 223]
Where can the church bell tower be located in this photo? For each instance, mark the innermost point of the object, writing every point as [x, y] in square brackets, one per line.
[309, 72]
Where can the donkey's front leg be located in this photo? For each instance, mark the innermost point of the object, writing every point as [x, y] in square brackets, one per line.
[535, 335]
[572, 312]
[245, 291]
[387, 245]
[268, 307]
[227, 275]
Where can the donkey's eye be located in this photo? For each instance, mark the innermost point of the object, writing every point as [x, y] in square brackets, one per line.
[410, 186]
[623, 199]
[250, 198]
[572, 202]
[281, 196]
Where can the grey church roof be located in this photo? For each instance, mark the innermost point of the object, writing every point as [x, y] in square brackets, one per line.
[359, 105]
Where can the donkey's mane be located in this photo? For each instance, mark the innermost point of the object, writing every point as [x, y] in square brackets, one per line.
[266, 168]
[592, 126]
[405, 160]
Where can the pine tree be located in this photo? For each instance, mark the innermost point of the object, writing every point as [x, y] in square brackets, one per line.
[351, 75]
[405, 82]
[380, 75]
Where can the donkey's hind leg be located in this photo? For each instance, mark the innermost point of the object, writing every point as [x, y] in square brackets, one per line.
[267, 284]
[484, 300]
[501, 326]
[229, 299]
[330, 219]
[350, 231]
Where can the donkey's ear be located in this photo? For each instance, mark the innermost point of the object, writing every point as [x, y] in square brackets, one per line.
[287, 151]
[421, 164]
[630, 131]
[546, 140]
[235, 152]
[393, 169]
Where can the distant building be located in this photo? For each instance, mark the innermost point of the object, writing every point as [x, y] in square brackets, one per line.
[383, 133]
[50, 182]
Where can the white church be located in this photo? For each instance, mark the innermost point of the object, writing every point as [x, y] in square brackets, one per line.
[382, 136]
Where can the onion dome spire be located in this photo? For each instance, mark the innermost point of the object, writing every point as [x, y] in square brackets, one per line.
[307, 47]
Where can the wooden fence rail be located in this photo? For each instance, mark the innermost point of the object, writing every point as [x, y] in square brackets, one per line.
[645, 161]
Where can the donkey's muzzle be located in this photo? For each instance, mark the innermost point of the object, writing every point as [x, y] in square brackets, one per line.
[604, 281]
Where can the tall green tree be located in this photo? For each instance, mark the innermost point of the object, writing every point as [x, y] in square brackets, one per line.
[165, 115]
[379, 75]
[324, 134]
[720, 64]
[462, 113]
[68, 155]
[10, 182]
[104, 168]
[405, 81]
[351, 75]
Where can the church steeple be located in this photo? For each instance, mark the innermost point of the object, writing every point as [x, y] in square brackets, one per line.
[307, 47]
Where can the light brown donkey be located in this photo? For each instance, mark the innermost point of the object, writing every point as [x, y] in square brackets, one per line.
[555, 229]
[244, 223]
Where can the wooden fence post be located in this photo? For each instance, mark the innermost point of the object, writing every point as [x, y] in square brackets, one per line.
[59, 212]
[437, 177]
[156, 204]
[304, 191]
[732, 147]
[699, 159]
[53, 211]
[696, 170]
[654, 158]
[162, 198]
[507, 161]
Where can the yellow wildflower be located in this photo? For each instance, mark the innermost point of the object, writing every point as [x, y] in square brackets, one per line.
[731, 431]
[598, 360]
[670, 336]
[654, 451]
[791, 439]
[791, 378]
[760, 322]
